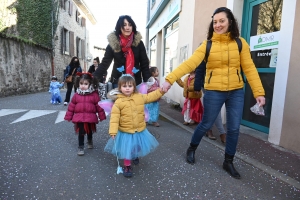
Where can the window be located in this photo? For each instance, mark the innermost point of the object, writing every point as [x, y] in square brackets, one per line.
[80, 48]
[67, 42]
[70, 8]
[171, 47]
[152, 3]
[266, 18]
[153, 52]
[83, 22]
[63, 4]
[77, 16]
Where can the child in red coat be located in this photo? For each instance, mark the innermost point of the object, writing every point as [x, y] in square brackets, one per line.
[192, 108]
[83, 109]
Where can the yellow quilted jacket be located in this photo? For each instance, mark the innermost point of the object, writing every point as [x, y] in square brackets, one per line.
[188, 91]
[127, 114]
[223, 66]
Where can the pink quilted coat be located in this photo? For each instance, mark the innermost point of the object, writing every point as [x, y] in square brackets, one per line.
[83, 108]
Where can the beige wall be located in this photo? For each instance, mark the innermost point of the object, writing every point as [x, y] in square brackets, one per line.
[185, 37]
[202, 19]
[194, 20]
[290, 137]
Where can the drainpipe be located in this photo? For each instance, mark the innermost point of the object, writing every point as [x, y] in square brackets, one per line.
[85, 48]
[52, 39]
[147, 29]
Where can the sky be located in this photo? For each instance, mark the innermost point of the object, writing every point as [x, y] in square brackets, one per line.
[107, 13]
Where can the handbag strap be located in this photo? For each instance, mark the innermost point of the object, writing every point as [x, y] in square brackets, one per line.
[73, 72]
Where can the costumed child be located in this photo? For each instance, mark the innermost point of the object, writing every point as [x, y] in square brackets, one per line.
[192, 108]
[54, 90]
[153, 108]
[130, 138]
[83, 109]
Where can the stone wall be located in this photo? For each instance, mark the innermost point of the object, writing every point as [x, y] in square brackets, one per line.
[23, 68]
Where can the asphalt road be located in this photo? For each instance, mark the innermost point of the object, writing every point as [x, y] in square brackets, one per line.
[38, 160]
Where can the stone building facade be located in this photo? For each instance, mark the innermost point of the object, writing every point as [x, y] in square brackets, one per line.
[26, 67]
[72, 36]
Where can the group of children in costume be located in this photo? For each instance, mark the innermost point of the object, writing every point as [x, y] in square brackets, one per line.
[130, 138]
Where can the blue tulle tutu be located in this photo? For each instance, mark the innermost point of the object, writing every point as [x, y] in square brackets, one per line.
[130, 146]
[153, 109]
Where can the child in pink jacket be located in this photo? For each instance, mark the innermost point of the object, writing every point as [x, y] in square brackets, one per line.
[83, 109]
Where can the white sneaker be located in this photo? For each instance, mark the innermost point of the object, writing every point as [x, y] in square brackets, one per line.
[80, 151]
[65, 103]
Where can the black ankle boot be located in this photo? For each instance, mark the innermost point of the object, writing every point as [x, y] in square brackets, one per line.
[190, 154]
[228, 166]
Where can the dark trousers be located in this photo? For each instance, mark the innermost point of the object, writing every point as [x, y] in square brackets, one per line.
[82, 133]
[69, 91]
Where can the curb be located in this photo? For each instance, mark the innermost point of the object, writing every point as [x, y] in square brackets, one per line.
[273, 173]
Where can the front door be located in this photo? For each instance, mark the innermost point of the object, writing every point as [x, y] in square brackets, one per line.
[261, 25]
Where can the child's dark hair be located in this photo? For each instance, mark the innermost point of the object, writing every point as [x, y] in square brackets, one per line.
[54, 78]
[152, 70]
[126, 78]
[89, 77]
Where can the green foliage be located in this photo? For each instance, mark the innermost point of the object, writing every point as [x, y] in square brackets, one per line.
[35, 22]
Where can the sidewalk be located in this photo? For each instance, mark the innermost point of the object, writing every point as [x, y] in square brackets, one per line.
[252, 148]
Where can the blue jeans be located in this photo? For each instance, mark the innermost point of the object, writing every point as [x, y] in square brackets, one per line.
[212, 102]
[218, 122]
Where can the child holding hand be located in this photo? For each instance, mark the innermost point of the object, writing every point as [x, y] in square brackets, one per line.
[153, 107]
[130, 138]
[54, 90]
[84, 108]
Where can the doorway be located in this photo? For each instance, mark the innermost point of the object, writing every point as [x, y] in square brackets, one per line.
[261, 29]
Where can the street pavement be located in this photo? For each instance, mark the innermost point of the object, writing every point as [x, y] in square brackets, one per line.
[39, 161]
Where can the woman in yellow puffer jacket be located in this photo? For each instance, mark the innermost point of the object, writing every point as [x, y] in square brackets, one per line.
[223, 82]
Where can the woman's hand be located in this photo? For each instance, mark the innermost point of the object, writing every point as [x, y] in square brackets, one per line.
[261, 100]
[166, 86]
[113, 137]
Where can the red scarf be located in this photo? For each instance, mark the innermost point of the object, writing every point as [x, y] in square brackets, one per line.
[128, 53]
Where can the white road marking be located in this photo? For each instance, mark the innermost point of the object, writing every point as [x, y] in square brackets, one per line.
[60, 116]
[33, 114]
[4, 112]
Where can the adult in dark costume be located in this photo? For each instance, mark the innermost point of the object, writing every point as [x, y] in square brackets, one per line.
[71, 70]
[102, 85]
[127, 51]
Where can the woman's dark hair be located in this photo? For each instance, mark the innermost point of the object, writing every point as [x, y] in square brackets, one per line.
[97, 59]
[91, 79]
[120, 24]
[72, 63]
[153, 70]
[233, 25]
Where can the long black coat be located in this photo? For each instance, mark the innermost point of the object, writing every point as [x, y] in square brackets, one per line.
[114, 53]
